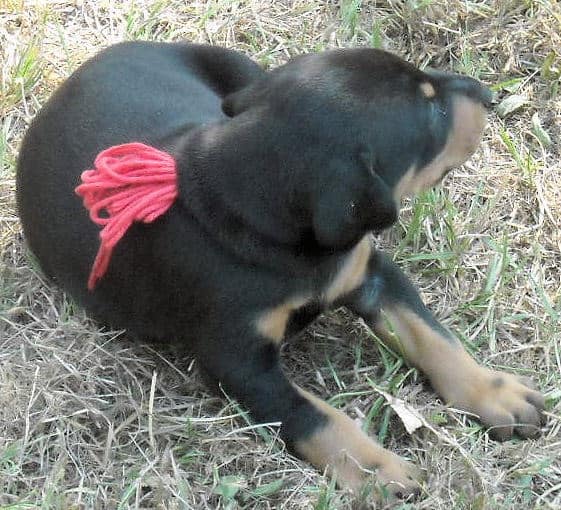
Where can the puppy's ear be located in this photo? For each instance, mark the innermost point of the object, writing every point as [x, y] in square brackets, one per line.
[350, 204]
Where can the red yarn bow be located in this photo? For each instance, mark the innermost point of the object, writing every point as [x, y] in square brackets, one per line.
[130, 182]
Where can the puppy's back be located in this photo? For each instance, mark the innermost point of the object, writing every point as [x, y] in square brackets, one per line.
[135, 91]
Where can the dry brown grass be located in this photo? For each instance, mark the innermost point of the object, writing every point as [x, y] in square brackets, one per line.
[91, 420]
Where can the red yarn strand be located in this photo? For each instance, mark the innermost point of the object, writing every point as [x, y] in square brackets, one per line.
[129, 182]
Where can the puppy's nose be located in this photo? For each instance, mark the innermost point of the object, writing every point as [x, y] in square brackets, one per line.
[465, 85]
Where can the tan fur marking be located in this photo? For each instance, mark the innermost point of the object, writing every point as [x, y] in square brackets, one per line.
[405, 185]
[343, 448]
[427, 89]
[272, 322]
[453, 373]
[500, 399]
[469, 122]
[352, 271]
[445, 362]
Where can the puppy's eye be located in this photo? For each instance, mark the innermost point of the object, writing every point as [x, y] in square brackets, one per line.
[353, 209]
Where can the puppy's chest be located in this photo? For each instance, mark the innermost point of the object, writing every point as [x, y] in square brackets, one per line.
[295, 312]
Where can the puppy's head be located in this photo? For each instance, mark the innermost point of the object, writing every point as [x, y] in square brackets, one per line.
[365, 128]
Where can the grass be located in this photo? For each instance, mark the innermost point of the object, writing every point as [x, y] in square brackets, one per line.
[89, 419]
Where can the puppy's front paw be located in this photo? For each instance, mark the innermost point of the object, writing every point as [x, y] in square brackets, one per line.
[373, 467]
[357, 462]
[399, 478]
[508, 404]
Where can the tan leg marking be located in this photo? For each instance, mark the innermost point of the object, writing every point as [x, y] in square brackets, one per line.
[406, 185]
[501, 400]
[347, 452]
[428, 90]
[352, 271]
[470, 119]
[272, 322]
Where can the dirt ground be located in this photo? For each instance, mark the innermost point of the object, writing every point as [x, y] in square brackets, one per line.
[89, 419]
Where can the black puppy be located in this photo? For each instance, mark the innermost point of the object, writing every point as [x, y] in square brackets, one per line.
[281, 177]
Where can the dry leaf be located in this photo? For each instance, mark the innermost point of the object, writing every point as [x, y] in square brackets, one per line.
[409, 416]
[539, 131]
[510, 104]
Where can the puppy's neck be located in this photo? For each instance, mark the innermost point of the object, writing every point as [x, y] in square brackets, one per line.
[233, 178]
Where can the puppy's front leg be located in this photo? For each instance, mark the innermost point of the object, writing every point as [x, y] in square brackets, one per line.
[250, 372]
[390, 304]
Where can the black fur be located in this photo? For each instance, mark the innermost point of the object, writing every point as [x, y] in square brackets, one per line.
[281, 174]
